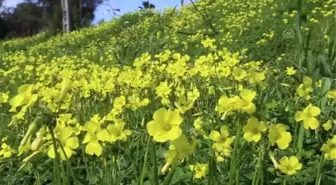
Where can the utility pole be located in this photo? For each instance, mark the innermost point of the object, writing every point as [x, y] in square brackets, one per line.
[66, 16]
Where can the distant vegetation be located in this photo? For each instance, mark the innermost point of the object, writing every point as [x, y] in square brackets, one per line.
[32, 17]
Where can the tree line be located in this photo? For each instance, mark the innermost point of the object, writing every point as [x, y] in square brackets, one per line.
[33, 16]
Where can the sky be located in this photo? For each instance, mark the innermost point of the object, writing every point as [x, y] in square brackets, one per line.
[104, 11]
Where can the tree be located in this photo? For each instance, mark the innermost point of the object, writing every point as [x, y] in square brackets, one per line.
[3, 26]
[81, 13]
[146, 5]
[3, 29]
[34, 16]
[29, 15]
[24, 20]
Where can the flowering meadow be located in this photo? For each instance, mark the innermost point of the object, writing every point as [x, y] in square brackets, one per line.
[216, 92]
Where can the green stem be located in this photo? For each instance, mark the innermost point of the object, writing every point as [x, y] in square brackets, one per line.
[300, 138]
[284, 182]
[69, 169]
[234, 154]
[320, 171]
[295, 132]
[255, 174]
[57, 172]
[261, 162]
[144, 163]
[86, 166]
[237, 176]
[170, 175]
[115, 174]
[155, 166]
[210, 171]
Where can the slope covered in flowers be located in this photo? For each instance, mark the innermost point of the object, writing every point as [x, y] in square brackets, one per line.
[212, 93]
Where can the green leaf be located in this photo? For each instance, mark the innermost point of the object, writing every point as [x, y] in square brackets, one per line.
[178, 175]
[311, 63]
[326, 85]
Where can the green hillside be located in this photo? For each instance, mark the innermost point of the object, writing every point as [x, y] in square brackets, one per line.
[215, 92]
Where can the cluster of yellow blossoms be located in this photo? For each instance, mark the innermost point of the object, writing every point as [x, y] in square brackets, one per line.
[168, 77]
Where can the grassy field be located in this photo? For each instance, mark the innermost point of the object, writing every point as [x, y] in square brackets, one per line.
[217, 92]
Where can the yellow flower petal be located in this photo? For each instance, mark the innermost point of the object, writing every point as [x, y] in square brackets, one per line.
[68, 153]
[65, 133]
[93, 148]
[214, 135]
[51, 152]
[313, 123]
[314, 111]
[299, 116]
[248, 136]
[72, 143]
[160, 115]
[152, 128]
[174, 133]
[103, 135]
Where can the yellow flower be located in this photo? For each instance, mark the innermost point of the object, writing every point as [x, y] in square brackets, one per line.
[209, 43]
[165, 125]
[66, 86]
[308, 117]
[25, 97]
[277, 134]
[239, 73]
[252, 130]
[178, 150]
[228, 105]
[319, 83]
[289, 165]
[117, 131]
[222, 139]
[3, 97]
[142, 60]
[163, 89]
[248, 96]
[68, 142]
[193, 95]
[38, 142]
[290, 71]
[329, 149]
[184, 104]
[243, 103]
[6, 150]
[178, 69]
[199, 170]
[198, 123]
[254, 76]
[95, 134]
[24, 147]
[305, 88]
[119, 102]
[222, 154]
[222, 143]
[328, 125]
[332, 94]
